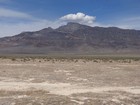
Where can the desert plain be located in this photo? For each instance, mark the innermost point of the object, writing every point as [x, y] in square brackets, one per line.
[69, 81]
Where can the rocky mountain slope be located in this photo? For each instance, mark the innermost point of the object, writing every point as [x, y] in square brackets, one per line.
[73, 38]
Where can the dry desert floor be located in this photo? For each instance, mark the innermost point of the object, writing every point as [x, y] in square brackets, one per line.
[64, 82]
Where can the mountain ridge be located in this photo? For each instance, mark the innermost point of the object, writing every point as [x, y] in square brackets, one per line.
[73, 38]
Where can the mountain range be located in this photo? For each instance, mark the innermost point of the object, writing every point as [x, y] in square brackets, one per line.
[73, 38]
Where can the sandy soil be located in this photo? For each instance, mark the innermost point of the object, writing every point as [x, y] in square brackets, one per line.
[42, 82]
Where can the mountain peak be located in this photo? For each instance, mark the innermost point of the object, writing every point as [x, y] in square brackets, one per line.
[71, 27]
[73, 23]
[74, 37]
[46, 30]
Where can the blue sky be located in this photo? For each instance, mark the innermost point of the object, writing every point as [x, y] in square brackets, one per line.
[17, 16]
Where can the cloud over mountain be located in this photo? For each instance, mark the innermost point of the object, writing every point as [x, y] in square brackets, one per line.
[20, 21]
[79, 18]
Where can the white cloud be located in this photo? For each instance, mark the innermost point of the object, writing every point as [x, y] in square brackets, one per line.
[9, 28]
[7, 13]
[79, 18]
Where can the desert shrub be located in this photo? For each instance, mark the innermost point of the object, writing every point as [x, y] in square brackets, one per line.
[13, 59]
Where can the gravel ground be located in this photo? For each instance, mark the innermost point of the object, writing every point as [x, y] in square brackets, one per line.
[49, 82]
